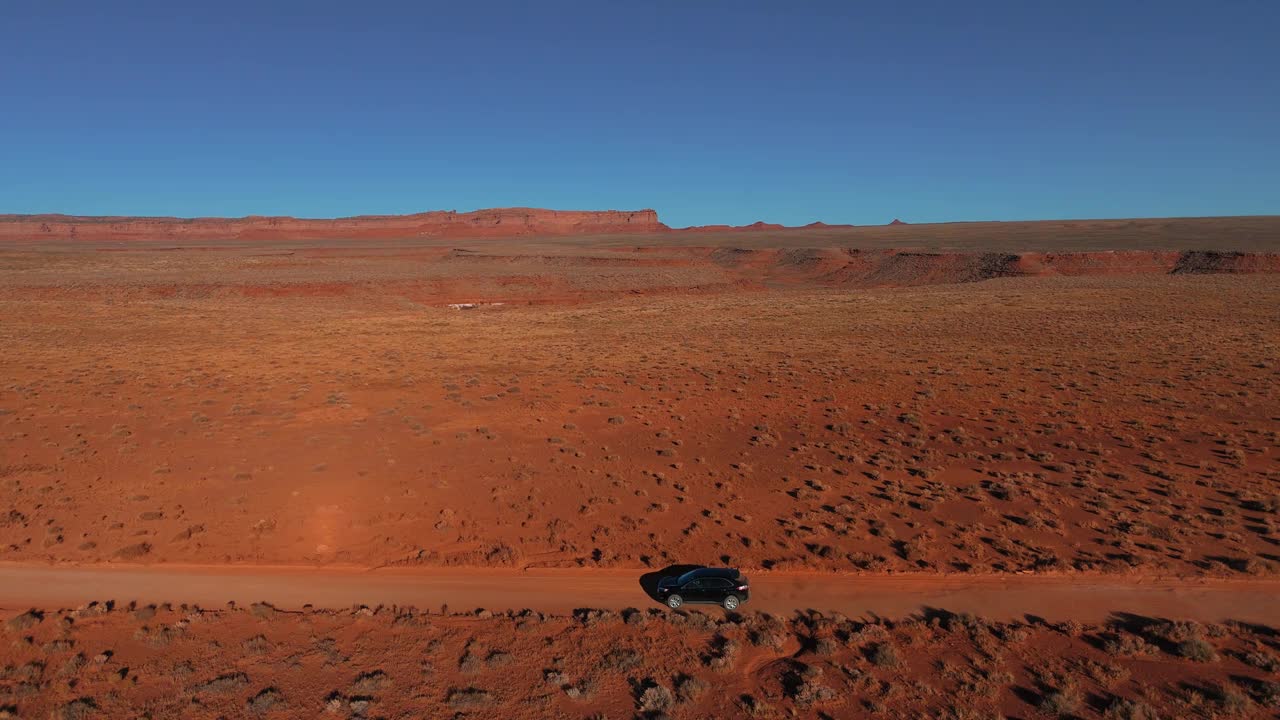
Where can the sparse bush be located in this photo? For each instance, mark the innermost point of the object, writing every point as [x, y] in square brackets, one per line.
[368, 683]
[1196, 649]
[25, 621]
[265, 700]
[226, 683]
[1256, 503]
[885, 655]
[1267, 693]
[257, 645]
[621, 659]
[133, 552]
[655, 698]
[753, 706]
[1262, 660]
[724, 654]
[263, 611]
[1062, 702]
[810, 692]
[498, 659]
[468, 698]
[1126, 645]
[1228, 699]
[78, 709]
[1126, 709]
[826, 646]
[73, 665]
[689, 689]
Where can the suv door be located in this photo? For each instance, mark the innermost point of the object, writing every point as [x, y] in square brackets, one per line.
[716, 589]
[694, 591]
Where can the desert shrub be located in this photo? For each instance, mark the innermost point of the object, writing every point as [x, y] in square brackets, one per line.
[1257, 503]
[256, 645]
[1228, 700]
[31, 671]
[498, 658]
[885, 655]
[1126, 645]
[655, 698]
[265, 700]
[591, 616]
[162, 636]
[767, 631]
[1196, 649]
[1126, 709]
[808, 693]
[826, 646]
[77, 710]
[621, 659]
[1012, 633]
[1262, 660]
[755, 707]
[689, 689]
[132, 552]
[1106, 674]
[1062, 702]
[368, 683]
[73, 665]
[25, 621]
[470, 662]
[1267, 693]
[1179, 630]
[263, 611]
[12, 518]
[585, 688]
[226, 683]
[700, 621]
[468, 697]
[724, 653]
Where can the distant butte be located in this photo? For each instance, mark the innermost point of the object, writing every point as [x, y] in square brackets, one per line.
[757, 226]
[503, 222]
[896, 221]
[495, 223]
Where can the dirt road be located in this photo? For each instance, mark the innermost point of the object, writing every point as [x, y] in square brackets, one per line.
[1083, 598]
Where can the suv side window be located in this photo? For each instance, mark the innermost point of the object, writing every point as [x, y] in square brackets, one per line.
[718, 584]
[695, 585]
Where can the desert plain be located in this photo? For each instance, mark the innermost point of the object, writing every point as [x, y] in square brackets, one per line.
[433, 465]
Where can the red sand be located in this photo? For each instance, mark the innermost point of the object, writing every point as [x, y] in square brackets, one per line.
[898, 416]
[1057, 598]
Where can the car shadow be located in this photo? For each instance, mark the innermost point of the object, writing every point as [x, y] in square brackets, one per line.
[649, 580]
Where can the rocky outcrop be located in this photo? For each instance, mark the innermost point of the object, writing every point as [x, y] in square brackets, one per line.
[849, 267]
[756, 226]
[503, 222]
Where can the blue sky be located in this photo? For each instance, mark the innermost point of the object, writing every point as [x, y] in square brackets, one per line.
[706, 111]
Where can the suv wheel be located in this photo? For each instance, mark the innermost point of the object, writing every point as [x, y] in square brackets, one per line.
[675, 601]
[731, 603]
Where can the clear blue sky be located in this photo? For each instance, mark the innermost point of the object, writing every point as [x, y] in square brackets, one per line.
[707, 111]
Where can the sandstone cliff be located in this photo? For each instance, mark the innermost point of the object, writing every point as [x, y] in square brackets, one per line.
[503, 222]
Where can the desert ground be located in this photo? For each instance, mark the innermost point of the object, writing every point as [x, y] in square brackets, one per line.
[1077, 405]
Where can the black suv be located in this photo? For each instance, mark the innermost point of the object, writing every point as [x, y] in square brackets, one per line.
[722, 586]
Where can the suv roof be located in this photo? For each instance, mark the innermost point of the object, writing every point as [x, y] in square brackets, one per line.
[727, 573]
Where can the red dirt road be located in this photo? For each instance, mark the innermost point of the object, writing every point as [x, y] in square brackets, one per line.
[1053, 597]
